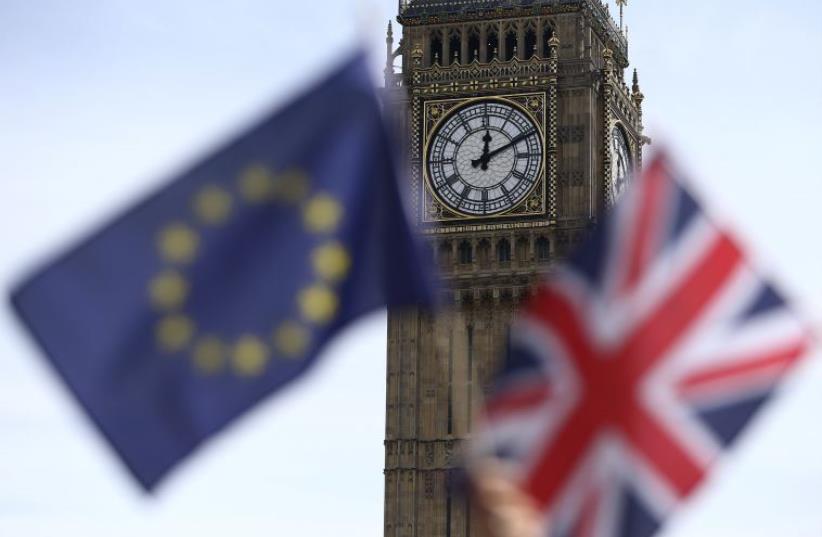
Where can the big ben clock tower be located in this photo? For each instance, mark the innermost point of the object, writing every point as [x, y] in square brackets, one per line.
[520, 131]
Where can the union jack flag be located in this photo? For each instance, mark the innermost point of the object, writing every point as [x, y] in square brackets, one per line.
[636, 364]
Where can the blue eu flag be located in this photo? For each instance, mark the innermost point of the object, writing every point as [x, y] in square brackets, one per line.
[224, 286]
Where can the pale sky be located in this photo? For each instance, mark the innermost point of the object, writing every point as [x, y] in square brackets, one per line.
[100, 101]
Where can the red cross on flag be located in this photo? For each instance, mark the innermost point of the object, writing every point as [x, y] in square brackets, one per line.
[636, 364]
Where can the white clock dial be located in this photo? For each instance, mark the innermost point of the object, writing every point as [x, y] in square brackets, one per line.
[484, 158]
[621, 164]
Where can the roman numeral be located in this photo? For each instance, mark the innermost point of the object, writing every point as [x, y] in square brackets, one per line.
[464, 195]
[508, 118]
[452, 179]
[507, 194]
[484, 196]
[522, 177]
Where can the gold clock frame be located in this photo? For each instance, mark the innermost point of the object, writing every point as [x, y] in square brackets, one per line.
[535, 106]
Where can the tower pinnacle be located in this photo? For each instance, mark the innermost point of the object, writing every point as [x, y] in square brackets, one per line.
[621, 4]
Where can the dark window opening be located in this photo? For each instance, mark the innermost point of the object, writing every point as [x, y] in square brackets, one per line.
[530, 44]
[455, 45]
[504, 251]
[473, 46]
[543, 249]
[510, 45]
[493, 45]
[436, 51]
[465, 254]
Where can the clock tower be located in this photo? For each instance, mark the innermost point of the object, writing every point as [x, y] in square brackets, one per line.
[520, 132]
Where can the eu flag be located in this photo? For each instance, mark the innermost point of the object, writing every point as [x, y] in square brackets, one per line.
[223, 286]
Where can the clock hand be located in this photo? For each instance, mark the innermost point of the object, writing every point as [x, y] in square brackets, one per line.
[514, 141]
[486, 156]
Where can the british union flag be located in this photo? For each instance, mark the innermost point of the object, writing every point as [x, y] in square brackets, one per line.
[636, 364]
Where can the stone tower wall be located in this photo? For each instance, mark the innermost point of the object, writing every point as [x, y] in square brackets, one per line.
[439, 367]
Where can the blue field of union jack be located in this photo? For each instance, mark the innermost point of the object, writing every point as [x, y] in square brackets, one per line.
[636, 364]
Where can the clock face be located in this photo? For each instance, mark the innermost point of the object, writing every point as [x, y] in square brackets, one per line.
[484, 158]
[621, 165]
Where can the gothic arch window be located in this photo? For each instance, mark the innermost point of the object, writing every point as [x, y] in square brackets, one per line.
[466, 255]
[435, 51]
[492, 42]
[543, 249]
[473, 44]
[530, 43]
[454, 46]
[522, 250]
[510, 44]
[484, 253]
[504, 251]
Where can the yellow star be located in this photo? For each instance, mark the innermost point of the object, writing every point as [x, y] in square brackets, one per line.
[212, 205]
[318, 303]
[209, 355]
[256, 184]
[178, 243]
[291, 187]
[249, 357]
[291, 339]
[174, 332]
[168, 290]
[331, 261]
[322, 214]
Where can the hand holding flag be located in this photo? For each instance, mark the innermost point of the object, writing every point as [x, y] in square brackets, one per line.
[502, 508]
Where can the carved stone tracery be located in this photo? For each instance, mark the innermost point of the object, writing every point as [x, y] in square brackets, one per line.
[439, 365]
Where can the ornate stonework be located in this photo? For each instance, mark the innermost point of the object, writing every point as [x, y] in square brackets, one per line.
[562, 62]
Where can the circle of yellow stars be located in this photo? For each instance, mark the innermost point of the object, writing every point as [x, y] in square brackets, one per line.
[178, 244]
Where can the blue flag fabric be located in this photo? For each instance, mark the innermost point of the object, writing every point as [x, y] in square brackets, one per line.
[223, 287]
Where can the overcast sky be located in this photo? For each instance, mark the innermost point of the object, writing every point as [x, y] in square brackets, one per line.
[100, 101]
